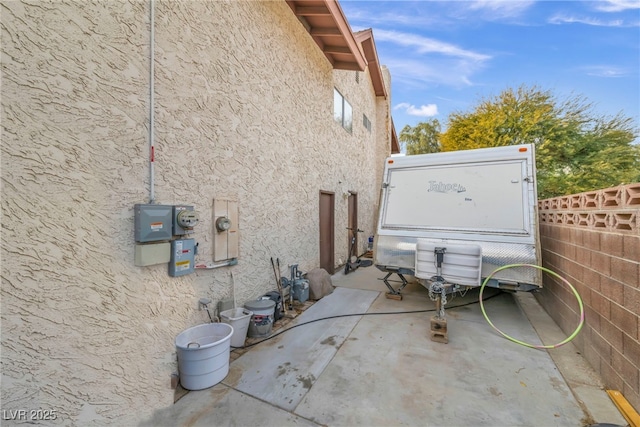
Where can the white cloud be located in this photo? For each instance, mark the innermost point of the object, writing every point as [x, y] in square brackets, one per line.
[437, 14]
[622, 20]
[424, 73]
[565, 19]
[372, 17]
[616, 5]
[421, 61]
[605, 71]
[427, 45]
[429, 110]
[500, 9]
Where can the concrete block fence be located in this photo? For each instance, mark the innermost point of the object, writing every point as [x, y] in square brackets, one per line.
[593, 240]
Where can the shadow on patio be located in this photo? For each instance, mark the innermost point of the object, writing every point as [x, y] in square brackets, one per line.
[383, 369]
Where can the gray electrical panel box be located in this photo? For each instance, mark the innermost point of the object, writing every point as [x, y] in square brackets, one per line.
[153, 222]
[182, 261]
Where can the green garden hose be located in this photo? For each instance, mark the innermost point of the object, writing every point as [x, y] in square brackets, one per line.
[546, 270]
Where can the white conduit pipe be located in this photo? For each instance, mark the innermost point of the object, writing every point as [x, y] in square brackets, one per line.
[152, 193]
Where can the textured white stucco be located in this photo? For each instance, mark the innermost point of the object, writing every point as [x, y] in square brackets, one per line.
[243, 111]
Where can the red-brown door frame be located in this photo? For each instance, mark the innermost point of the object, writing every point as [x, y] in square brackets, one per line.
[326, 230]
[352, 216]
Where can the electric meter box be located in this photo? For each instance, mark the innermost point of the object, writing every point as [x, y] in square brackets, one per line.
[184, 219]
[153, 223]
[182, 257]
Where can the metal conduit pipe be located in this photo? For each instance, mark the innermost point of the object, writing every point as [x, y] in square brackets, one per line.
[152, 195]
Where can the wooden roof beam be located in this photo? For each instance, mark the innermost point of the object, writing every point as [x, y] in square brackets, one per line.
[341, 65]
[312, 11]
[325, 32]
[327, 25]
[336, 49]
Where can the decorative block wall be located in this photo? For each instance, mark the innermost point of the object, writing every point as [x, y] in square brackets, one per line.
[593, 240]
[614, 209]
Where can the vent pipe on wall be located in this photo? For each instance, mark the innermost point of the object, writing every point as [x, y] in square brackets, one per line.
[152, 195]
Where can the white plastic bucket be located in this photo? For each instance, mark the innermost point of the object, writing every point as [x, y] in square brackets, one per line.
[239, 318]
[203, 355]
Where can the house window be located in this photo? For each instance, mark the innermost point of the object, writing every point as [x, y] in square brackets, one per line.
[366, 123]
[342, 111]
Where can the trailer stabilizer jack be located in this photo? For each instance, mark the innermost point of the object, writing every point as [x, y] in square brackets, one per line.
[394, 294]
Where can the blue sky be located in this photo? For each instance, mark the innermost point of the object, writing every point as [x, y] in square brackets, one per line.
[446, 56]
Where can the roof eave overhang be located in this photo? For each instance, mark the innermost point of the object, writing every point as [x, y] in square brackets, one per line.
[327, 25]
[365, 37]
[395, 146]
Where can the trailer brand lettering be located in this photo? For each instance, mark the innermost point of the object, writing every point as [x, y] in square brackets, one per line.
[441, 187]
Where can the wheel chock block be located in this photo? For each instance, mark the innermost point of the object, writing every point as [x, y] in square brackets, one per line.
[397, 297]
[439, 330]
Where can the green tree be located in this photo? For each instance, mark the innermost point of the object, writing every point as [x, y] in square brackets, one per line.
[576, 150]
[423, 138]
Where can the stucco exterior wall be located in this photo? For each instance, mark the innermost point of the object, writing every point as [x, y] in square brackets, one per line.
[243, 111]
[358, 152]
[383, 125]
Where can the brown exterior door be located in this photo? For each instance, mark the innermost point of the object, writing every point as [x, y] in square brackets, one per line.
[353, 223]
[327, 233]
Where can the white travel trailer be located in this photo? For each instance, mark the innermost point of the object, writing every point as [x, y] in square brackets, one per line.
[475, 210]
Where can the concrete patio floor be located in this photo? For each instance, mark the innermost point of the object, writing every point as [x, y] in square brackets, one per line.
[384, 370]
